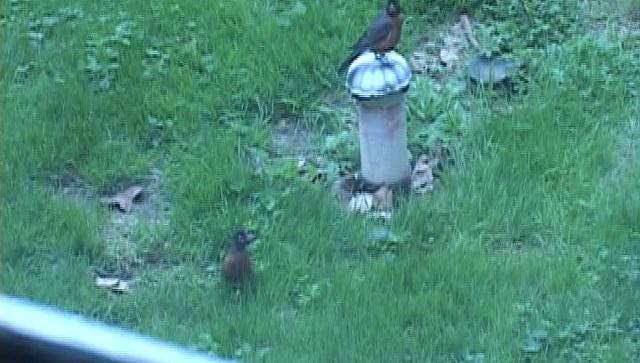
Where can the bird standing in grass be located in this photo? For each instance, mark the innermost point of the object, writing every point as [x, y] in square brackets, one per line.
[381, 36]
[236, 266]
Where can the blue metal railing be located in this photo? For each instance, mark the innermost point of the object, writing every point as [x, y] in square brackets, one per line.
[30, 332]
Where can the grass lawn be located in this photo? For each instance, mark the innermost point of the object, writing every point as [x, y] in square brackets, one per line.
[533, 228]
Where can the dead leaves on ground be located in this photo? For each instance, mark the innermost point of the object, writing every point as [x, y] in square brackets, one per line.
[423, 62]
[353, 194]
[451, 49]
[454, 46]
[313, 171]
[383, 198]
[124, 200]
[361, 202]
[422, 177]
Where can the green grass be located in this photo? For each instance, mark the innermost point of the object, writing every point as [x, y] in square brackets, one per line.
[629, 8]
[535, 224]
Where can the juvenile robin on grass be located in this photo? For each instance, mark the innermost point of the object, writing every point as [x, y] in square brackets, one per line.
[381, 36]
[236, 266]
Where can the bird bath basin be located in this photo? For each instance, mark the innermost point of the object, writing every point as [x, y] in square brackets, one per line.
[490, 70]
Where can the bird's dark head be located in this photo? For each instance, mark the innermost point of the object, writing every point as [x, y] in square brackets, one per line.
[393, 8]
[242, 238]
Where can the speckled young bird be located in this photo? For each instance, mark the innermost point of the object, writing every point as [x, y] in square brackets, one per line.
[236, 267]
[381, 36]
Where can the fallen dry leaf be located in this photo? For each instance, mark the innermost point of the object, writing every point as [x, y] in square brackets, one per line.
[383, 198]
[422, 175]
[453, 45]
[113, 283]
[344, 187]
[423, 62]
[468, 31]
[361, 202]
[449, 52]
[419, 62]
[123, 200]
[302, 164]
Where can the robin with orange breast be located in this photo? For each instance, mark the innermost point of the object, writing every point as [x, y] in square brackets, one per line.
[236, 266]
[382, 35]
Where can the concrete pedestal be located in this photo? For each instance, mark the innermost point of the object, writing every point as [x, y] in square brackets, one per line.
[384, 156]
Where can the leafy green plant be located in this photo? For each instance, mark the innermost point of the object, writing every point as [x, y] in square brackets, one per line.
[435, 114]
[517, 25]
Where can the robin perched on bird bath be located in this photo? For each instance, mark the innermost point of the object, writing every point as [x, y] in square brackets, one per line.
[236, 267]
[377, 78]
[381, 36]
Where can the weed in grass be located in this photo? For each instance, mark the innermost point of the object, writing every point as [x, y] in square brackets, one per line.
[528, 24]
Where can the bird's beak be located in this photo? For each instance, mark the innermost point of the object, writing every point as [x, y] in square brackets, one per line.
[251, 236]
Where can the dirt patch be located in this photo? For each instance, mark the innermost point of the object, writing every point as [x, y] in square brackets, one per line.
[444, 51]
[132, 239]
[139, 236]
[292, 138]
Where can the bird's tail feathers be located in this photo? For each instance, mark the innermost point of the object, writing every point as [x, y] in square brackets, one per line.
[345, 65]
